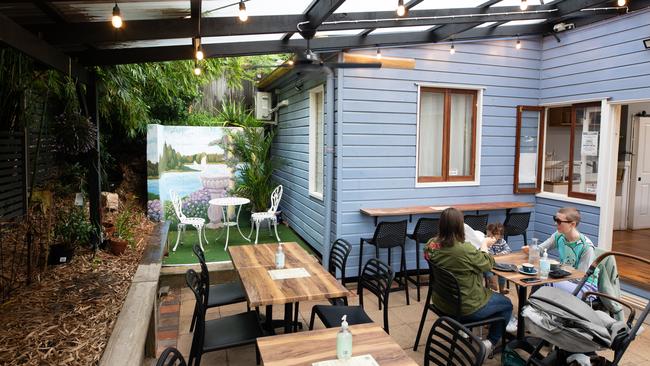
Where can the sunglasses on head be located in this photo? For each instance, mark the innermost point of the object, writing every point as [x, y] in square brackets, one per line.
[558, 221]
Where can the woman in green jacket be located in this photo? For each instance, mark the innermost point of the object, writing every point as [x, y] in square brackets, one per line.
[450, 251]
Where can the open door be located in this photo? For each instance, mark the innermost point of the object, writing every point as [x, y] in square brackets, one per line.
[640, 182]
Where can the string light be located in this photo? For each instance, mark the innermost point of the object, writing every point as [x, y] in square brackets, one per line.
[197, 69]
[523, 5]
[378, 53]
[117, 17]
[621, 2]
[518, 44]
[452, 50]
[199, 50]
[243, 16]
[401, 10]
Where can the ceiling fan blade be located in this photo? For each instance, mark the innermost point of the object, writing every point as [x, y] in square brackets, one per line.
[354, 65]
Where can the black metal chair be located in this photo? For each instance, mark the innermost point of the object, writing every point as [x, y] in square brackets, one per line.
[425, 229]
[516, 224]
[338, 260]
[451, 343]
[217, 334]
[477, 222]
[389, 235]
[377, 277]
[220, 294]
[171, 357]
[443, 284]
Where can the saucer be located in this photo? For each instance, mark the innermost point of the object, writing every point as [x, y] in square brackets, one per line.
[528, 273]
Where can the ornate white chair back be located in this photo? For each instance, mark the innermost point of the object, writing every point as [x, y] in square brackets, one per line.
[177, 203]
[275, 198]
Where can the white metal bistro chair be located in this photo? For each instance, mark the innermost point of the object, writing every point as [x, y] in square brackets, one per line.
[197, 222]
[258, 217]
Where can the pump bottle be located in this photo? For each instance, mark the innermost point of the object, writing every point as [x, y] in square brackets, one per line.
[544, 266]
[279, 257]
[344, 341]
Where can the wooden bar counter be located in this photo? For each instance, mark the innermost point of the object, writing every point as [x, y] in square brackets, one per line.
[263, 255]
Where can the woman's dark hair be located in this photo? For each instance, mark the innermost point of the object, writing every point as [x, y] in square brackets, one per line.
[452, 228]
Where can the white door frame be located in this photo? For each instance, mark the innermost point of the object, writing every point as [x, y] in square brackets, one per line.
[608, 162]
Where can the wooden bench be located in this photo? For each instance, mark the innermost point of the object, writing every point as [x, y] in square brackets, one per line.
[134, 334]
[432, 209]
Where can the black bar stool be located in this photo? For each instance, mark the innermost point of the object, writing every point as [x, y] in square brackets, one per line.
[389, 235]
[516, 224]
[425, 229]
[477, 222]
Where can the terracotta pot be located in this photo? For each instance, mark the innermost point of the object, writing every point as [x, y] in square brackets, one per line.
[109, 229]
[118, 246]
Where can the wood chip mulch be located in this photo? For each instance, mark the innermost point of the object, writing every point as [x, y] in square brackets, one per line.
[67, 317]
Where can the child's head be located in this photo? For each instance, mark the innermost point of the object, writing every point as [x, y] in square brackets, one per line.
[495, 230]
[452, 227]
[566, 219]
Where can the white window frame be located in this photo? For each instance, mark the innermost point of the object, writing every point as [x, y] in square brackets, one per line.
[313, 148]
[479, 123]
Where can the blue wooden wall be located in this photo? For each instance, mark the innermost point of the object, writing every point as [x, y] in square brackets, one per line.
[379, 131]
[305, 214]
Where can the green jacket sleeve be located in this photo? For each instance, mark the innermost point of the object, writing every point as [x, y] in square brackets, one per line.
[482, 261]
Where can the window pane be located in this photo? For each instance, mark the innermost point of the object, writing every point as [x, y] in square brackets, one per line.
[558, 140]
[585, 150]
[430, 134]
[460, 137]
[319, 143]
[528, 148]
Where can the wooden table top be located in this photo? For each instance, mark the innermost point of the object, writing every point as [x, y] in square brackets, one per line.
[261, 290]
[305, 348]
[263, 255]
[520, 257]
[430, 209]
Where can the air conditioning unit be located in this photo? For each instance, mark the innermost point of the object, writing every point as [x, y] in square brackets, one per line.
[263, 106]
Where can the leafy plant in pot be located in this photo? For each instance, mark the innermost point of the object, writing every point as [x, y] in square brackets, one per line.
[123, 231]
[71, 229]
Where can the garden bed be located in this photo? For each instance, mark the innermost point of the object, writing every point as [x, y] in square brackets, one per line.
[68, 316]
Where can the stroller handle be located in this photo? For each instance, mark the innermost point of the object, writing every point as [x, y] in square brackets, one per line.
[629, 306]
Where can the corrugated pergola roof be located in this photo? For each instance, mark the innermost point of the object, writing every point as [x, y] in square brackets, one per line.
[59, 32]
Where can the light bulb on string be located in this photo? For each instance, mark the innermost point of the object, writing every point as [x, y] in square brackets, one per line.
[523, 5]
[378, 53]
[518, 44]
[197, 69]
[452, 49]
[117, 17]
[401, 10]
[243, 16]
[621, 2]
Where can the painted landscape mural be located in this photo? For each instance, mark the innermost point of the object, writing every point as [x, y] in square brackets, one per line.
[191, 161]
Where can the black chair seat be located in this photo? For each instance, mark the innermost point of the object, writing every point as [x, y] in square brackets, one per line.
[225, 294]
[331, 315]
[232, 331]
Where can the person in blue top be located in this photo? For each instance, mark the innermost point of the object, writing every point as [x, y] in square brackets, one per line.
[573, 247]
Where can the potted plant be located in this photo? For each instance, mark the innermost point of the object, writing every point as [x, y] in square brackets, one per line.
[71, 229]
[123, 231]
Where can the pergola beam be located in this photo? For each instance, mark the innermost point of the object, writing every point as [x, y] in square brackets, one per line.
[321, 10]
[98, 32]
[153, 54]
[19, 38]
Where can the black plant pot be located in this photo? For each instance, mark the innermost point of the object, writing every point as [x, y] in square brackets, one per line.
[60, 254]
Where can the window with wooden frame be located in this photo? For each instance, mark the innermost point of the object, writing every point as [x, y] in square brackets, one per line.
[529, 149]
[446, 135]
[572, 150]
[316, 133]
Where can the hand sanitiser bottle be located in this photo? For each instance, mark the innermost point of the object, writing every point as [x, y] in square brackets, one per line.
[279, 257]
[344, 341]
[544, 266]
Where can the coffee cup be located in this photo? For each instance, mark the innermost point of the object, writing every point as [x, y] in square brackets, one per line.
[528, 268]
[555, 265]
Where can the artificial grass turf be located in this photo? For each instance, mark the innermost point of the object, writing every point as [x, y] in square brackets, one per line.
[214, 251]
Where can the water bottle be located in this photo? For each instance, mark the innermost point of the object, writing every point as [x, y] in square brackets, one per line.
[279, 257]
[544, 266]
[533, 252]
[344, 341]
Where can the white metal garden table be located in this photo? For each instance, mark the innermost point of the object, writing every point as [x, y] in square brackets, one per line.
[224, 203]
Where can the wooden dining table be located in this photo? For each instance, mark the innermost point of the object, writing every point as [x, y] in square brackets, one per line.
[518, 258]
[305, 348]
[254, 264]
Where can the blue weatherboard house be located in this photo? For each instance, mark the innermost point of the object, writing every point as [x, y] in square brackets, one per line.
[548, 123]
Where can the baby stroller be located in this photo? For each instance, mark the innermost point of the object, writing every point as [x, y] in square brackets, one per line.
[571, 326]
